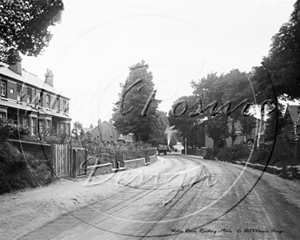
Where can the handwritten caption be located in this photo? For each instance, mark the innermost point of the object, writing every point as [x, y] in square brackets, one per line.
[226, 230]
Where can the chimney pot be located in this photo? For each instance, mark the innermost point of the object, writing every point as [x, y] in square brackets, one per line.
[17, 68]
[49, 77]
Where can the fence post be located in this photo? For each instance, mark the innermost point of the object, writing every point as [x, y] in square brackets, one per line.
[53, 160]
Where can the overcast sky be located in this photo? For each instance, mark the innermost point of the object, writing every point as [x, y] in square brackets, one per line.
[97, 40]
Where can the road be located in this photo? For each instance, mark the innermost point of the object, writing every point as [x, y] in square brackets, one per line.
[185, 198]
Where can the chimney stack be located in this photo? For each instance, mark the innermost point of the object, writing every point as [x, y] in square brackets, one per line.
[17, 68]
[49, 77]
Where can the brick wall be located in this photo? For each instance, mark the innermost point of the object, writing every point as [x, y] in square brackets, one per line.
[38, 150]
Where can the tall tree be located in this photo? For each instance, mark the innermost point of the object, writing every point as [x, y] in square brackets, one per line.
[24, 27]
[136, 111]
[158, 136]
[210, 91]
[283, 60]
[180, 118]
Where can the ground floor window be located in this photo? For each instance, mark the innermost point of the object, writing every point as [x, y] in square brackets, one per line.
[3, 115]
[68, 129]
[33, 126]
[25, 121]
[62, 128]
[41, 125]
[48, 124]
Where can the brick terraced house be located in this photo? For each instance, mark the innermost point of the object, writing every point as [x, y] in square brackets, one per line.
[32, 102]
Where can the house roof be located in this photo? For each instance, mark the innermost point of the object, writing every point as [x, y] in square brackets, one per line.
[108, 123]
[293, 111]
[30, 79]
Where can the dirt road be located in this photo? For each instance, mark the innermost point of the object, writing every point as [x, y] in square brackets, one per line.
[188, 198]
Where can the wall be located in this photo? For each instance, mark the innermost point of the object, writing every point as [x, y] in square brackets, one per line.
[38, 150]
[135, 163]
[107, 167]
[102, 169]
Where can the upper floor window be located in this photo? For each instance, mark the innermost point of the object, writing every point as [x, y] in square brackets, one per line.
[48, 101]
[3, 89]
[41, 98]
[19, 92]
[58, 104]
[29, 95]
[65, 106]
[25, 121]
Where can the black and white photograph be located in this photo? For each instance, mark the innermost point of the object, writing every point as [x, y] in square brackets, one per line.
[149, 119]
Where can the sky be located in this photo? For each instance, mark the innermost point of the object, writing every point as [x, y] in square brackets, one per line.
[98, 40]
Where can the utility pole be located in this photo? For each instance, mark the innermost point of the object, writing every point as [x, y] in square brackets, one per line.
[185, 147]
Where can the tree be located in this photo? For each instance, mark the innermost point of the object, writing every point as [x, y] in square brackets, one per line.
[247, 124]
[78, 130]
[158, 136]
[24, 27]
[136, 111]
[275, 118]
[283, 60]
[237, 88]
[210, 91]
[187, 125]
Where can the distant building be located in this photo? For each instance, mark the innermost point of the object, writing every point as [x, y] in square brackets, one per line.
[292, 122]
[105, 132]
[257, 132]
[108, 132]
[32, 102]
[90, 129]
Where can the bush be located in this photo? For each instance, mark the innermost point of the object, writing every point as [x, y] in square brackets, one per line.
[10, 130]
[230, 154]
[19, 171]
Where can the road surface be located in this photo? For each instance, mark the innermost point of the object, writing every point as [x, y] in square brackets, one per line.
[185, 198]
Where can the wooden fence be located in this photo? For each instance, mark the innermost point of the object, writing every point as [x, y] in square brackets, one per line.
[61, 160]
[68, 161]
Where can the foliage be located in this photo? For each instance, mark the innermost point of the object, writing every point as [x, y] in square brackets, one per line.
[218, 93]
[209, 91]
[23, 27]
[132, 113]
[78, 131]
[19, 171]
[188, 126]
[10, 130]
[236, 152]
[282, 61]
[247, 124]
[276, 116]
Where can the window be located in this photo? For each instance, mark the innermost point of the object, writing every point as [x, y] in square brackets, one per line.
[3, 89]
[3, 115]
[19, 92]
[62, 128]
[41, 125]
[33, 126]
[65, 105]
[48, 124]
[40, 97]
[25, 121]
[58, 104]
[48, 101]
[68, 129]
[29, 95]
